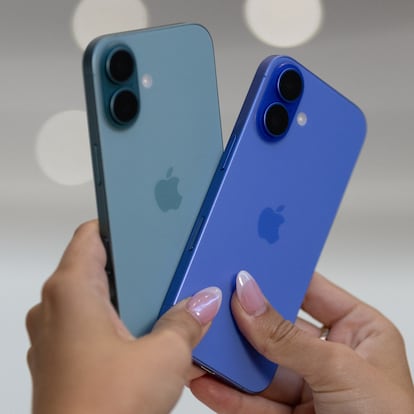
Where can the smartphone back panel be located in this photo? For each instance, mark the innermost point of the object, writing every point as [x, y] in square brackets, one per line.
[151, 174]
[268, 211]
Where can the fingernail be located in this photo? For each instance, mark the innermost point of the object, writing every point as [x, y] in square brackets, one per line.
[205, 304]
[249, 294]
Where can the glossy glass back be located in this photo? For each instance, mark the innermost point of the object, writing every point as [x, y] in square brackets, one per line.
[151, 173]
[269, 210]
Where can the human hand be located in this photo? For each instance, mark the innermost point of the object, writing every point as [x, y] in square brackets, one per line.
[361, 368]
[82, 357]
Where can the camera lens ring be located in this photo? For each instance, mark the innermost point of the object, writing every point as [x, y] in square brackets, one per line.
[290, 85]
[120, 65]
[124, 106]
[276, 120]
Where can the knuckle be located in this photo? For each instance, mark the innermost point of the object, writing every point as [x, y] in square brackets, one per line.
[53, 288]
[278, 336]
[29, 358]
[173, 339]
[175, 352]
[30, 316]
[180, 328]
[49, 288]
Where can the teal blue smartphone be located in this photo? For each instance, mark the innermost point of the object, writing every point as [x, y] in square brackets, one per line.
[269, 208]
[155, 138]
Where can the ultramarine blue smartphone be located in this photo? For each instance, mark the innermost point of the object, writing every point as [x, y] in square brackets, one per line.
[269, 208]
[155, 138]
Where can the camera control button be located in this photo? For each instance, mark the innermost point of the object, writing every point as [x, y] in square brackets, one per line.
[228, 152]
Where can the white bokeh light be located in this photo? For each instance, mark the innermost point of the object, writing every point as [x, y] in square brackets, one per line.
[93, 18]
[283, 23]
[62, 148]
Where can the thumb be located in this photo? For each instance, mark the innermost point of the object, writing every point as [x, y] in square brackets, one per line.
[190, 319]
[281, 341]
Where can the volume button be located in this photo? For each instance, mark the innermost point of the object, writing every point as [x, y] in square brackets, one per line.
[196, 233]
[96, 166]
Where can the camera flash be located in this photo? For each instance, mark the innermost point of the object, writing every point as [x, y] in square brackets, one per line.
[301, 119]
[146, 81]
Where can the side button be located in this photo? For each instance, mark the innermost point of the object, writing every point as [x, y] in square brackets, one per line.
[228, 152]
[196, 232]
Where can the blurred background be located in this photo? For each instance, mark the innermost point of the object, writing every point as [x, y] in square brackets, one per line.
[364, 49]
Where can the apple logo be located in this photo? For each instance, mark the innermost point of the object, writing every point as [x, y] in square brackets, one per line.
[166, 192]
[269, 223]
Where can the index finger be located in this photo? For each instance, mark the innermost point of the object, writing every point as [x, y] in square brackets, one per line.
[327, 302]
[85, 249]
[81, 267]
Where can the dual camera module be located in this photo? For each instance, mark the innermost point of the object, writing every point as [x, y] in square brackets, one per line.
[289, 86]
[121, 86]
[123, 102]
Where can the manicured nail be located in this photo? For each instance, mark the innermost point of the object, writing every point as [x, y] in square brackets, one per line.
[205, 304]
[249, 294]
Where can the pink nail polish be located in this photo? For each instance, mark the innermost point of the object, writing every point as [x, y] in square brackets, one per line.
[205, 304]
[249, 294]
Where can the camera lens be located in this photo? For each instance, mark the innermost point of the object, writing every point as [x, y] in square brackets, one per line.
[276, 119]
[120, 65]
[124, 106]
[290, 85]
